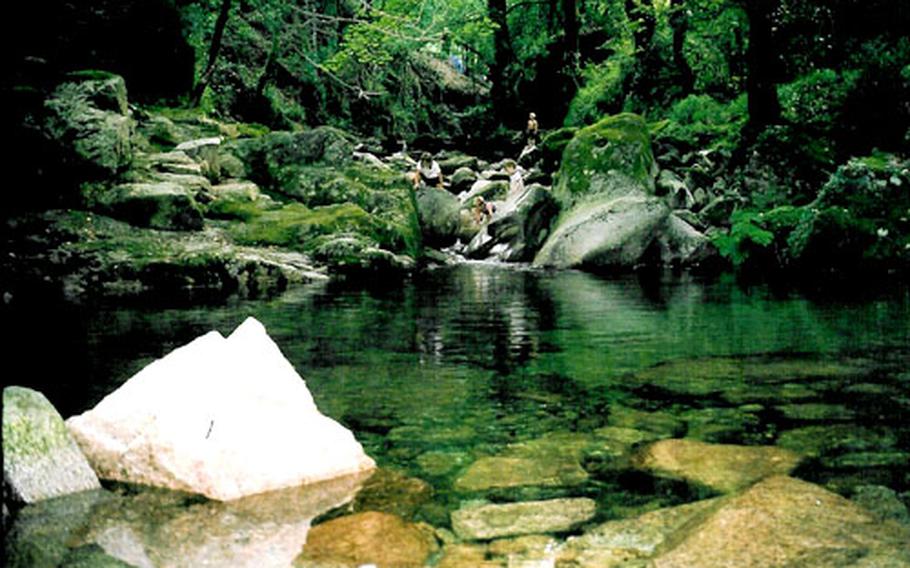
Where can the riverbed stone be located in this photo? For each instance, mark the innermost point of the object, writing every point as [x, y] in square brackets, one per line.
[40, 458]
[440, 463]
[210, 418]
[716, 376]
[622, 542]
[719, 424]
[370, 538]
[660, 424]
[506, 472]
[468, 556]
[818, 440]
[816, 412]
[783, 521]
[553, 460]
[721, 467]
[389, 491]
[486, 521]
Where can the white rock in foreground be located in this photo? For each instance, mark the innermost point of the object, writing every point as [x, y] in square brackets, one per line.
[222, 417]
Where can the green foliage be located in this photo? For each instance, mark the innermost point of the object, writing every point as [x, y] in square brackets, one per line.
[746, 237]
[815, 101]
[700, 121]
[602, 91]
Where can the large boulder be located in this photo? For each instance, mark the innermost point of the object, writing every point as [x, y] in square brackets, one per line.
[268, 158]
[605, 188]
[787, 522]
[87, 119]
[40, 458]
[439, 216]
[722, 467]
[779, 522]
[215, 417]
[611, 233]
[158, 205]
[518, 228]
[681, 244]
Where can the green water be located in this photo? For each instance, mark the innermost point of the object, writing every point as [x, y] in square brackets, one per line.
[460, 364]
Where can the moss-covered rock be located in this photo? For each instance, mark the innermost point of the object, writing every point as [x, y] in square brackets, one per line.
[605, 186]
[40, 458]
[553, 145]
[439, 216]
[272, 160]
[86, 120]
[162, 205]
[79, 255]
[607, 160]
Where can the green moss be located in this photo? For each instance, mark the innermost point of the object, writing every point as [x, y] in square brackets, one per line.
[295, 225]
[29, 425]
[610, 157]
[237, 210]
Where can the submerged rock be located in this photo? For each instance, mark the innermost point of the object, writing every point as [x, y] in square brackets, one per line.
[40, 458]
[505, 472]
[720, 467]
[618, 543]
[215, 417]
[481, 522]
[377, 539]
[551, 461]
[782, 521]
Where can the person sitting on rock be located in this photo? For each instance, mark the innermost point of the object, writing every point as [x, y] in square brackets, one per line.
[428, 172]
[516, 183]
[483, 209]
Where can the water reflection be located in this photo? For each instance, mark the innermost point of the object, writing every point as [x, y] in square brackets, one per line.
[160, 528]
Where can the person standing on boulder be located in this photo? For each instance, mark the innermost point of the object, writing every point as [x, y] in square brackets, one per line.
[428, 172]
[532, 131]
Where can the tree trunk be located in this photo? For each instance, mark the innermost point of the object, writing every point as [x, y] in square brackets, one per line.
[502, 58]
[764, 106]
[214, 49]
[679, 22]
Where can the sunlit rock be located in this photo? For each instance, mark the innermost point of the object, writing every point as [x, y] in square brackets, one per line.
[551, 461]
[40, 458]
[617, 543]
[721, 467]
[372, 538]
[221, 417]
[484, 521]
[782, 521]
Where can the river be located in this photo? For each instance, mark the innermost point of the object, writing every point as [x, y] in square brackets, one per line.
[460, 363]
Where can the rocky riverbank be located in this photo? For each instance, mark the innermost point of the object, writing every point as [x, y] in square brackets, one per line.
[136, 203]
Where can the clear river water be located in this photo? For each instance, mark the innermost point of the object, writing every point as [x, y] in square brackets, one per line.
[461, 363]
